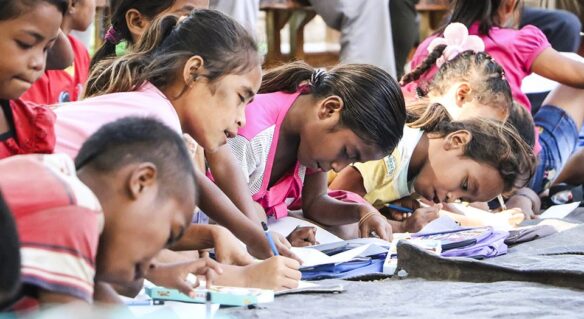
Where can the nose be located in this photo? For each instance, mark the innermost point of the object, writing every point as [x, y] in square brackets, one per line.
[338, 166]
[37, 61]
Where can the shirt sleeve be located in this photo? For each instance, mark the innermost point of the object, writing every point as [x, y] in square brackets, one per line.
[58, 249]
[530, 42]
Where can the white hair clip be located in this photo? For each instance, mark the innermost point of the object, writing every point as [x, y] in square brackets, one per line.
[457, 40]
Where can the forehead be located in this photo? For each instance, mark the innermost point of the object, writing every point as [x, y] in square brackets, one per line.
[42, 18]
[185, 6]
[250, 79]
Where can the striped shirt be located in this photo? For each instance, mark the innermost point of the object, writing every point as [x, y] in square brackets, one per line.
[59, 221]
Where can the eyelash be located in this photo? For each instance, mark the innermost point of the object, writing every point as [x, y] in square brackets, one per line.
[241, 98]
[464, 185]
[23, 45]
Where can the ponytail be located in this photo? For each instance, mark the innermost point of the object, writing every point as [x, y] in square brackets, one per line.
[426, 117]
[287, 77]
[128, 73]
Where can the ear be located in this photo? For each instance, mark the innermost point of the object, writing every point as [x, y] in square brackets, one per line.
[457, 140]
[330, 107]
[462, 93]
[142, 179]
[193, 68]
[72, 7]
[136, 23]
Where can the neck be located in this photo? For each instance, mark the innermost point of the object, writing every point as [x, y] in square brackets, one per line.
[66, 26]
[419, 157]
[96, 183]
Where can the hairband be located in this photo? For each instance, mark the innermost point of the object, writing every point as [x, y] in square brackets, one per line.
[457, 40]
[112, 36]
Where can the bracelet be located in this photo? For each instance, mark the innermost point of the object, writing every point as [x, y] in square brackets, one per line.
[367, 216]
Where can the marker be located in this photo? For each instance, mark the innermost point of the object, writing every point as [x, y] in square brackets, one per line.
[270, 240]
[399, 208]
[501, 202]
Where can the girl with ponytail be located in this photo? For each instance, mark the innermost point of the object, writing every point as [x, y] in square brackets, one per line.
[306, 122]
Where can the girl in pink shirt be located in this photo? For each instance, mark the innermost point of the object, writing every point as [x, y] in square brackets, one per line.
[307, 122]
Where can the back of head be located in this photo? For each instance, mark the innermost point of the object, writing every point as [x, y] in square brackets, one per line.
[497, 145]
[373, 105]
[159, 57]
[467, 12]
[485, 77]
[11, 9]
[149, 10]
[136, 140]
[522, 120]
[9, 254]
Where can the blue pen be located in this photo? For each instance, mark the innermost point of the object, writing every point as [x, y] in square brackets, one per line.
[399, 208]
[270, 240]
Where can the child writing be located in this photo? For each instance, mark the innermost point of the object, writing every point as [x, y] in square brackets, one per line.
[307, 122]
[443, 161]
[194, 88]
[130, 18]
[27, 31]
[57, 86]
[78, 222]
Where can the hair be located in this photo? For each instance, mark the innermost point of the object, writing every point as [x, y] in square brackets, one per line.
[373, 108]
[485, 76]
[150, 9]
[9, 254]
[135, 139]
[161, 53]
[12, 9]
[469, 12]
[522, 120]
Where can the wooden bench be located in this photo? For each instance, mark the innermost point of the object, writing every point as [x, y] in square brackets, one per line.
[431, 14]
[296, 13]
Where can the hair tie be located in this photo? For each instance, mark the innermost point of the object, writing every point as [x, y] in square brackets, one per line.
[457, 40]
[112, 36]
[317, 77]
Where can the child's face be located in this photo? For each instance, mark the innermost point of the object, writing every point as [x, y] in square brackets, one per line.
[325, 145]
[24, 42]
[213, 112]
[139, 222]
[83, 14]
[448, 175]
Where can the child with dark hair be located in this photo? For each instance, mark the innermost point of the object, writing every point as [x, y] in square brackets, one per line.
[307, 122]
[9, 255]
[28, 30]
[57, 86]
[78, 223]
[131, 18]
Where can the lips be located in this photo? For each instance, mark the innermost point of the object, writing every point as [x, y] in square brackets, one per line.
[23, 79]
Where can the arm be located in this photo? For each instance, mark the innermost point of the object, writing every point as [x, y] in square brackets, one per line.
[60, 56]
[317, 205]
[555, 66]
[526, 200]
[349, 179]
[229, 177]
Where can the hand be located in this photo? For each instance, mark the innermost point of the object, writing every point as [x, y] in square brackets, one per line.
[375, 222]
[513, 216]
[276, 273]
[262, 250]
[406, 202]
[524, 204]
[228, 249]
[303, 236]
[174, 275]
[420, 218]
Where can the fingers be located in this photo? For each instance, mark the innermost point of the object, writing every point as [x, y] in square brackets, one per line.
[286, 252]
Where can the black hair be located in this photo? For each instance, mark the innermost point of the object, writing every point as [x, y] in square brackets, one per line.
[225, 46]
[522, 120]
[148, 8]
[12, 9]
[9, 254]
[139, 139]
[468, 12]
[373, 108]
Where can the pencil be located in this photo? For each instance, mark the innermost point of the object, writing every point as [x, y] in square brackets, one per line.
[270, 240]
[399, 208]
[501, 202]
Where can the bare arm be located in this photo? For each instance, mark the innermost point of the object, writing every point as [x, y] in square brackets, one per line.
[555, 66]
[349, 179]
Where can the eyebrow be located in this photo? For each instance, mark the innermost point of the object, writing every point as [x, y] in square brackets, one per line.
[248, 92]
[37, 36]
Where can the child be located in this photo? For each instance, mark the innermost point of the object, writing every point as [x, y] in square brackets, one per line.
[193, 86]
[442, 161]
[9, 255]
[58, 86]
[27, 30]
[307, 122]
[519, 52]
[78, 222]
[131, 18]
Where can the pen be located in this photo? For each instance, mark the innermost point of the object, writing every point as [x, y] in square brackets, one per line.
[399, 208]
[502, 202]
[270, 240]
[208, 312]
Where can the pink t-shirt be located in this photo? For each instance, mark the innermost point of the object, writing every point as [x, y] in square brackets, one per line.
[76, 121]
[255, 148]
[515, 50]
